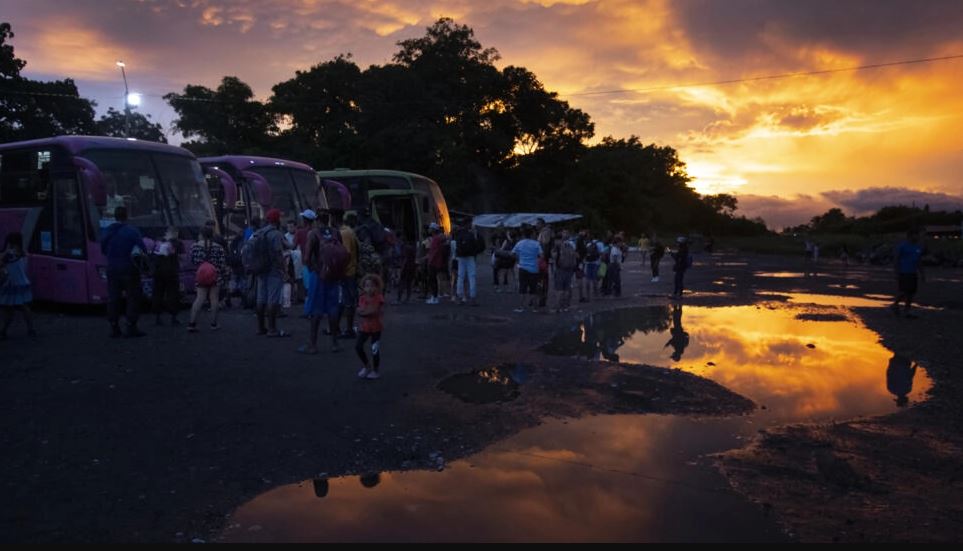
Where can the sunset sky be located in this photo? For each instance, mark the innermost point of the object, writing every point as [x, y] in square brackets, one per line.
[789, 148]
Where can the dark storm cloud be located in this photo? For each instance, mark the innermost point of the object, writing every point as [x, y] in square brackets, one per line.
[874, 29]
[871, 199]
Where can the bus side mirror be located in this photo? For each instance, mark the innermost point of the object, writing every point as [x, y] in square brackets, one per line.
[343, 194]
[262, 189]
[229, 185]
[93, 180]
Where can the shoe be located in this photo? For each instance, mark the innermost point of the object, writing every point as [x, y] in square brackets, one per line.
[348, 335]
[192, 327]
[373, 375]
[133, 332]
[215, 327]
[518, 310]
[363, 373]
[429, 301]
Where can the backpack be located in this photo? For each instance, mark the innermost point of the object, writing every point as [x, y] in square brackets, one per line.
[334, 260]
[592, 252]
[469, 244]
[567, 257]
[206, 275]
[256, 252]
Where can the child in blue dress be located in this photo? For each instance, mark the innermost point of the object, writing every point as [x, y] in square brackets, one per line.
[14, 285]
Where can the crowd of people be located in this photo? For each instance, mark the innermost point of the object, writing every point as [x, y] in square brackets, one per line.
[341, 268]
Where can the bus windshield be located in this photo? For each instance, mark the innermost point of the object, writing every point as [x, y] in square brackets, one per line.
[283, 196]
[165, 190]
[307, 184]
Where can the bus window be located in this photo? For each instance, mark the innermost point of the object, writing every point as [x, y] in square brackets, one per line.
[20, 178]
[307, 184]
[130, 181]
[387, 182]
[184, 181]
[69, 220]
[283, 196]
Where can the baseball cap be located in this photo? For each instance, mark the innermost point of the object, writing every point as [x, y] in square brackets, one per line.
[273, 216]
[434, 226]
[309, 215]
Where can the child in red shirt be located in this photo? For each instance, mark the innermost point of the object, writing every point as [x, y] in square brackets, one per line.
[371, 310]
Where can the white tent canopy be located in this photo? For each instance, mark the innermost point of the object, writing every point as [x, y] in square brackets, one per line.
[518, 219]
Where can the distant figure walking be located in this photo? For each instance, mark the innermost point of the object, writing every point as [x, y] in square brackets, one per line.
[655, 258]
[683, 261]
[908, 256]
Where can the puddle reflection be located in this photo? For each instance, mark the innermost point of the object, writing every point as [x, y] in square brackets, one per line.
[801, 369]
[607, 478]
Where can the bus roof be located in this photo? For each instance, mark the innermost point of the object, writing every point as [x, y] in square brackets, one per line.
[333, 174]
[77, 144]
[242, 162]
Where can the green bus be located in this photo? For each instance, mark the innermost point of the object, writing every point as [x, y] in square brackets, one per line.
[398, 200]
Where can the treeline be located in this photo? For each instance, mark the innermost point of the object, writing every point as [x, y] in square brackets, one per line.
[895, 219]
[495, 139]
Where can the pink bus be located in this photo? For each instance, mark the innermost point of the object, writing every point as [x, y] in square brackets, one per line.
[61, 192]
[262, 183]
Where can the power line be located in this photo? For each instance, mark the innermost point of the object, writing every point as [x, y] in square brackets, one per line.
[766, 77]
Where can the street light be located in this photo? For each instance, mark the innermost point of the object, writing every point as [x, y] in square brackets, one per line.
[127, 101]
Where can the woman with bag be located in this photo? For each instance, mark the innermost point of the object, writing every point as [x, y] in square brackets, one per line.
[210, 259]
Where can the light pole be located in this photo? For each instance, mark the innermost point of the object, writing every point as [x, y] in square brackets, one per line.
[126, 100]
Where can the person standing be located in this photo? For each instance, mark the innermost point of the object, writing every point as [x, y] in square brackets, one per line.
[371, 310]
[545, 239]
[655, 258]
[616, 254]
[683, 261]
[15, 292]
[566, 263]
[528, 251]
[211, 276]
[270, 283]
[908, 269]
[467, 244]
[436, 262]
[349, 278]
[119, 245]
[167, 286]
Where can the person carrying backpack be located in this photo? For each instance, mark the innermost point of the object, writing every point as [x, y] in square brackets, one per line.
[566, 262]
[265, 254]
[327, 259]
[467, 244]
[211, 262]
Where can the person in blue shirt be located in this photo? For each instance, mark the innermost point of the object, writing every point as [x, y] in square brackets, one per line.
[123, 277]
[527, 251]
[908, 255]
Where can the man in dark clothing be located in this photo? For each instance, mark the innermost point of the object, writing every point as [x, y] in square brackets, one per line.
[123, 277]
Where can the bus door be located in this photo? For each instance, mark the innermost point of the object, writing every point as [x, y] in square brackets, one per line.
[58, 246]
[398, 210]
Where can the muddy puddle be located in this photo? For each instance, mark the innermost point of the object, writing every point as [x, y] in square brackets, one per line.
[615, 477]
[499, 383]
